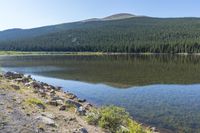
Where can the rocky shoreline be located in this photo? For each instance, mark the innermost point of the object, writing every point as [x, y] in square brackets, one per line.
[40, 108]
[30, 106]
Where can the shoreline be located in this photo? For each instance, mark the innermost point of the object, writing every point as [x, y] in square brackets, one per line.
[48, 96]
[37, 53]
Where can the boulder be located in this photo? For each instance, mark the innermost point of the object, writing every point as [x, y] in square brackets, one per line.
[88, 106]
[22, 80]
[46, 120]
[71, 96]
[49, 115]
[81, 100]
[13, 75]
[63, 107]
[57, 98]
[36, 84]
[71, 102]
[41, 106]
[53, 102]
[83, 130]
[81, 110]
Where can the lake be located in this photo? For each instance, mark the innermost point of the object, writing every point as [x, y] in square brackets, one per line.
[158, 90]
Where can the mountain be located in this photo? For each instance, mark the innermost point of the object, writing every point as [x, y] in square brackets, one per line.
[119, 16]
[110, 34]
[13, 34]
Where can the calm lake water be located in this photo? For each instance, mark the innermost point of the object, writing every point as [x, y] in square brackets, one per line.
[159, 90]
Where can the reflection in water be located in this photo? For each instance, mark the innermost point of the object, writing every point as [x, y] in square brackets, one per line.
[120, 71]
[165, 105]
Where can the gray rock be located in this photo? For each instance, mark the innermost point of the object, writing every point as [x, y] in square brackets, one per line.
[81, 110]
[81, 100]
[46, 120]
[60, 102]
[53, 102]
[23, 80]
[63, 107]
[76, 104]
[83, 130]
[12, 75]
[71, 96]
[58, 98]
[41, 106]
[36, 84]
[49, 115]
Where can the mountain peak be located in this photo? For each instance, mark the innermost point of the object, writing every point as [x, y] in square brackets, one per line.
[119, 16]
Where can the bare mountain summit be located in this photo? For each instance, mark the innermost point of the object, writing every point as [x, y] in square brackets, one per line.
[119, 16]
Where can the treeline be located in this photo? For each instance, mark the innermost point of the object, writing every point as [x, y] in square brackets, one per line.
[135, 35]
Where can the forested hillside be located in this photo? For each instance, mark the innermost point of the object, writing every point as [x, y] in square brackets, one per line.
[138, 34]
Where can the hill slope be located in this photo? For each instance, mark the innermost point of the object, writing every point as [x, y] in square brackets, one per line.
[135, 34]
[13, 34]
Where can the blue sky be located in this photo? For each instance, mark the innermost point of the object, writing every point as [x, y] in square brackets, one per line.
[34, 13]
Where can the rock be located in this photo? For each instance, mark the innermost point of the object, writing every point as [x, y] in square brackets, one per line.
[81, 110]
[53, 102]
[69, 119]
[42, 92]
[49, 115]
[154, 130]
[60, 102]
[88, 106]
[15, 87]
[46, 120]
[58, 88]
[58, 98]
[81, 100]
[71, 96]
[41, 106]
[23, 80]
[36, 84]
[63, 107]
[28, 84]
[12, 75]
[40, 130]
[83, 130]
[76, 104]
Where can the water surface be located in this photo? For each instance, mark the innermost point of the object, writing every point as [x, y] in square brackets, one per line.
[160, 90]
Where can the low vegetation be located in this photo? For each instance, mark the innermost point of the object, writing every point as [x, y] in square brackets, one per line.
[34, 101]
[115, 119]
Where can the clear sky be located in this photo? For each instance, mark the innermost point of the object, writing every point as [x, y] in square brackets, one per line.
[34, 13]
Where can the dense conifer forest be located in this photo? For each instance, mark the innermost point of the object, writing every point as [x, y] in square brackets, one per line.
[133, 35]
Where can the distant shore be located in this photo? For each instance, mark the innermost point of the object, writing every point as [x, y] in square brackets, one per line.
[24, 53]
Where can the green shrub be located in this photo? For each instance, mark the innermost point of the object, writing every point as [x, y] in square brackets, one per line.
[34, 101]
[134, 127]
[115, 119]
[93, 117]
